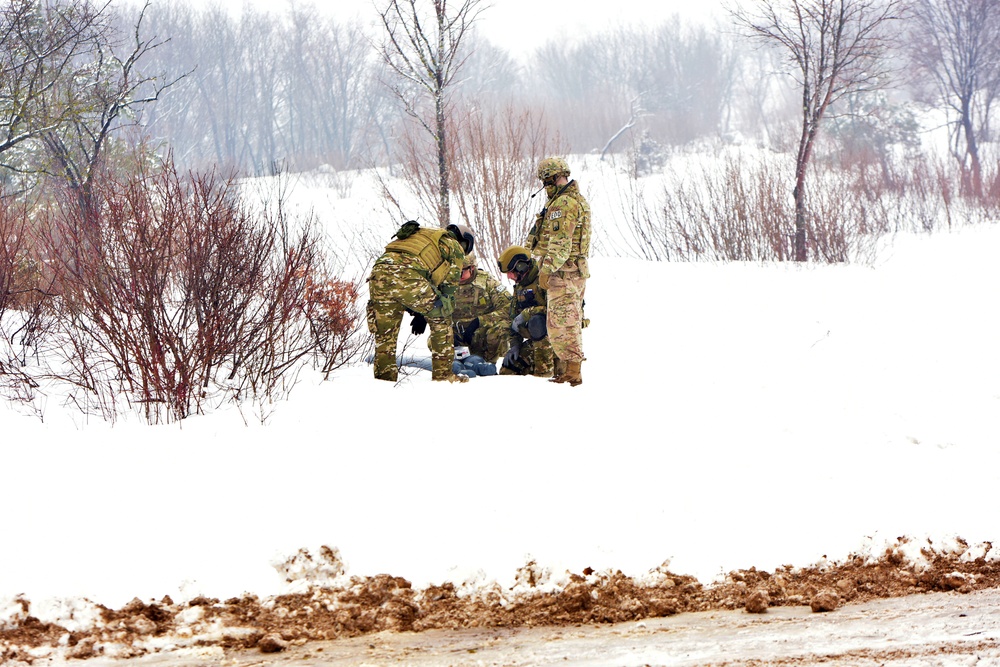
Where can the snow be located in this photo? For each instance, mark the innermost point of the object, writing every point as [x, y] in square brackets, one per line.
[732, 415]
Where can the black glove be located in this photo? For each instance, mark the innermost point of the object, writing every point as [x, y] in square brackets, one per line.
[469, 330]
[537, 327]
[513, 355]
[418, 324]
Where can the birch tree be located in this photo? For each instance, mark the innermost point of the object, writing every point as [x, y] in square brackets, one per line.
[423, 47]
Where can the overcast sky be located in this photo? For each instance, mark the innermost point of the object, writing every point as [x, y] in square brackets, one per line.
[519, 24]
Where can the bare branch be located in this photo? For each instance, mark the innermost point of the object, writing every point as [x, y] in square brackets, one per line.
[836, 47]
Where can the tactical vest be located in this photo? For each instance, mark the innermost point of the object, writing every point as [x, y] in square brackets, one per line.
[580, 242]
[528, 293]
[424, 244]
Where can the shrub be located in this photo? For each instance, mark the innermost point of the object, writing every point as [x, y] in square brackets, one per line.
[174, 295]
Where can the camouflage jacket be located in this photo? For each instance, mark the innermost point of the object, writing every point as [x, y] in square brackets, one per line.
[560, 237]
[484, 298]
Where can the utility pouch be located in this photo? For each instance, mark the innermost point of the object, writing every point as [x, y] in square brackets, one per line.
[444, 310]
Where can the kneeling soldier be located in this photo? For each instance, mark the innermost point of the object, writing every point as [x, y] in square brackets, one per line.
[480, 319]
[530, 352]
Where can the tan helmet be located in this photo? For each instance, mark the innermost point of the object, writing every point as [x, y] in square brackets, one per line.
[552, 166]
[469, 263]
[464, 235]
[509, 259]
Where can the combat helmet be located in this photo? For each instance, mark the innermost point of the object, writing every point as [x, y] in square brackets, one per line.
[515, 258]
[469, 263]
[551, 167]
[464, 236]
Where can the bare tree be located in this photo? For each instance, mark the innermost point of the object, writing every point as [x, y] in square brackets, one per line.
[497, 149]
[836, 47]
[635, 113]
[671, 81]
[110, 88]
[423, 47]
[957, 43]
[176, 118]
[41, 42]
[765, 104]
[330, 92]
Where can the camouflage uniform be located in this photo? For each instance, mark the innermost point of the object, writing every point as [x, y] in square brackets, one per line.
[401, 280]
[560, 239]
[536, 355]
[486, 300]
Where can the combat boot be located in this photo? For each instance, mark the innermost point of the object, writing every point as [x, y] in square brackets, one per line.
[571, 375]
[558, 368]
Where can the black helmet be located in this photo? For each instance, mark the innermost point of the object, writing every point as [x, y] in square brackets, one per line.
[464, 235]
[515, 258]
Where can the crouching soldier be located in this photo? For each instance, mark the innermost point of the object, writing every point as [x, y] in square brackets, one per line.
[482, 307]
[530, 352]
[418, 273]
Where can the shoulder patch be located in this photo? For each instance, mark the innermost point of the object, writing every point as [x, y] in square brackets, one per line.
[555, 215]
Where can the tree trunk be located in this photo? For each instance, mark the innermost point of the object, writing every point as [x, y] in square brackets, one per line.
[444, 208]
[801, 248]
[972, 149]
[810, 124]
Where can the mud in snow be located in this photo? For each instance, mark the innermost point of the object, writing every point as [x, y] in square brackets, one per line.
[904, 607]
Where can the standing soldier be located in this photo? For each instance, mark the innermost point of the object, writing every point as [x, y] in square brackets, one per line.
[560, 239]
[418, 273]
[481, 307]
[530, 352]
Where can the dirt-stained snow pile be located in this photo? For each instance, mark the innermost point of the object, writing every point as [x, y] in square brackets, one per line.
[325, 603]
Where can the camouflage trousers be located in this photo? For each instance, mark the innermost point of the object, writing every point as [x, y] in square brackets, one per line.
[565, 315]
[536, 359]
[392, 291]
[490, 341]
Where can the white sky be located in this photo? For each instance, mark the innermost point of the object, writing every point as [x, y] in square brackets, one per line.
[519, 24]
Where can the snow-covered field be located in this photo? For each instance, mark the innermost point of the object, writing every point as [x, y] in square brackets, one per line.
[732, 415]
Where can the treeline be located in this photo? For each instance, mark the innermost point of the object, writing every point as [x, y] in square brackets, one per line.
[261, 90]
[296, 88]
